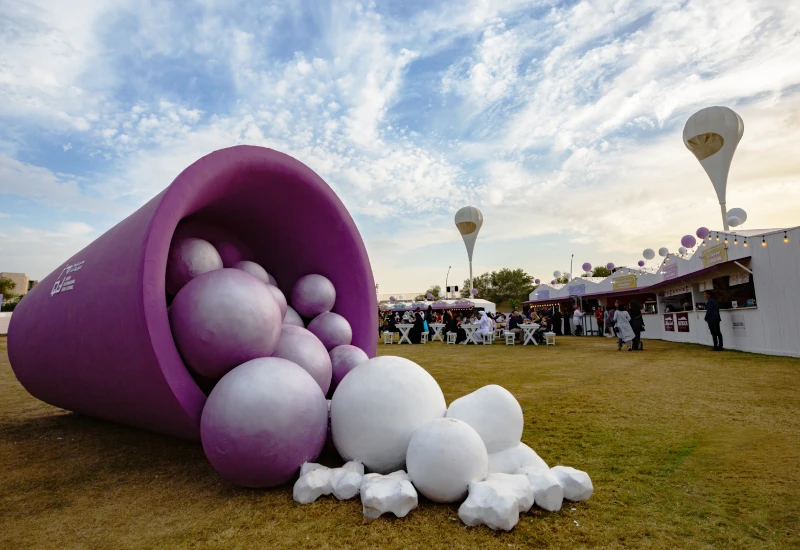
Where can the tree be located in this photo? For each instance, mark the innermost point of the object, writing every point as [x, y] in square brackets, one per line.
[563, 280]
[501, 286]
[514, 303]
[601, 271]
[482, 283]
[6, 289]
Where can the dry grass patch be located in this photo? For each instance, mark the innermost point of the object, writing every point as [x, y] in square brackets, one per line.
[686, 449]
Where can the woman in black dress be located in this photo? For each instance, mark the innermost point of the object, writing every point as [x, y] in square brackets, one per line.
[415, 334]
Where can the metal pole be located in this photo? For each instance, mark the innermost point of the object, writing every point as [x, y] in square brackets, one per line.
[470, 279]
[724, 216]
[447, 278]
[570, 263]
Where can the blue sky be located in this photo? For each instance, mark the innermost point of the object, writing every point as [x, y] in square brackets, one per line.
[561, 121]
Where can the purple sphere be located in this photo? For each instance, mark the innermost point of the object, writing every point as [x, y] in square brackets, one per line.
[641, 263]
[187, 259]
[702, 232]
[300, 346]
[474, 291]
[343, 360]
[610, 266]
[253, 269]
[587, 266]
[332, 330]
[262, 421]
[553, 282]
[688, 241]
[293, 318]
[312, 295]
[280, 298]
[537, 281]
[430, 296]
[222, 319]
[392, 299]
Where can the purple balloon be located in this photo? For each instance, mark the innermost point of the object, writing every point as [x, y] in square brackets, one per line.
[587, 266]
[332, 330]
[262, 421]
[430, 296]
[253, 269]
[343, 360]
[610, 266]
[230, 249]
[300, 346]
[553, 282]
[293, 318]
[312, 295]
[641, 263]
[537, 281]
[222, 319]
[187, 259]
[688, 241]
[702, 232]
[280, 298]
[392, 299]
[474, 291]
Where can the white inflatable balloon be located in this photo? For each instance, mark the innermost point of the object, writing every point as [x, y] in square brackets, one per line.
[682, 251]
[734, 221]
[468, 221]
[712, 135]
[556, 274]
[663, 251]
[738, 213]
[648, 254]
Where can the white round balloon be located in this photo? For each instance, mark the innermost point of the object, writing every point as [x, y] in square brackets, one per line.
[663, 251]
[494, 413]
[377, 408]
[556, 274]
[682, 251]
[734, 221]
[737, 213]
[444, 457]
[648, 254]
[568, 275]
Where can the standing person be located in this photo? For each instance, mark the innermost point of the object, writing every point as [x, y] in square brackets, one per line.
[567, 319]
[555, 321]
[637, 324]
[609, 319]
[415, 334]
[598, 317]
[429, 320]
[577, 321]
[622, 323]
[713, 319]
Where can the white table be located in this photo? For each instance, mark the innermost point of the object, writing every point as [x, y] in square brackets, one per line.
[437, 331]
[404, 329]
[529, 330]
[470, 330]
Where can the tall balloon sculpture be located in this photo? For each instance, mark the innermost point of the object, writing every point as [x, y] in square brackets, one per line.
[712, 135]
[469, 221]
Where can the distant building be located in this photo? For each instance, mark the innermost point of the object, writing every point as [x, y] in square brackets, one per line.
[21, 280]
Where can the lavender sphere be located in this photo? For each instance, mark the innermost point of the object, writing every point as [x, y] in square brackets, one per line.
[343, 360]
[702, 232]
[332, 330]
[587, 266]
[688, 241]
[299, 346]
[312, 295]
[262, 421]
[253, 269]
[641, 263]
[187, 259]
[280, 298]
[537, 281]
[222, 319]
[293, 318]
[610, 266]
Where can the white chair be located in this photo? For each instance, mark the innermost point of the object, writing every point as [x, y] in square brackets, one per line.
[509, 338]
[451, 337]
[423, 338]
[550, 338]
[388, 337]
[498, 333]
[487, 338]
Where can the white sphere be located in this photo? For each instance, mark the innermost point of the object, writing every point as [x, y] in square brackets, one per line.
[568, 275]
[293, 318]
[682, 251]
[377, 408]
[253, 269]
[734, 221]
[556, 274]
[299, 346]
[444, 457]
[280, 298]
[737, 213]
[648, 254]
[312, 295]
[663, 251]
[332, 329]
[494, 413]
[189, 258]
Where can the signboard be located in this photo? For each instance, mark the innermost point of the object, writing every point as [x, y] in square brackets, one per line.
[739, 328]
[627, 281]
[714, 255]
[543, 295]
[683, 289]
[683, 322]
[670, 272]
[669, 322]
[577, 290]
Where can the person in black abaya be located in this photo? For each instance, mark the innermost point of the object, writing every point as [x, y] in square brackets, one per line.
[556, 321]
[567, 325]
[415, 334]
[451, 325]
[429, 320]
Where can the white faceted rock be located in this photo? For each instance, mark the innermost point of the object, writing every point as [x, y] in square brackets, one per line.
[490, 503]
[345, 481]
[444, 457]
[291, 317]
[390, 493]
[377, 408]
[312, 485]
[547, 491]
[494, 413]
[519, 485]
[515, 458]
[576, 483]
[308, 467]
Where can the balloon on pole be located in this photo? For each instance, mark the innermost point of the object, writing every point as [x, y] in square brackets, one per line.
[712, 135]
[610, 266]
[430, 296]
[537, 281]
[702, 232]
[474, 291]
[556, 274]
[663, 251]
[392, 299]
[688, 241]
[734, 221]
[682, 251]
[738, 213]
[648, 254]
[587, 266]
[468, 221]
[641, 263]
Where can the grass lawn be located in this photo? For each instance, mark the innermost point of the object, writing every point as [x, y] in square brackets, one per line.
[686, 449]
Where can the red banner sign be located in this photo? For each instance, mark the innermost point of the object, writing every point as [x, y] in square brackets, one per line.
[683, 322]
[669, 322]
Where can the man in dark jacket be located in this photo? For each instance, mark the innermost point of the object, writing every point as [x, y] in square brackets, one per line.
[713, 319]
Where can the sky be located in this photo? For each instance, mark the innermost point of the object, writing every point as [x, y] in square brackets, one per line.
[561, 121]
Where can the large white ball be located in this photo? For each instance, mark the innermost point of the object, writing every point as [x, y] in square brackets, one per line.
[332, 329]
[377, 408]
[312, 295]
[494, 413]
[188, 258]
[444, 457]
[299, 346]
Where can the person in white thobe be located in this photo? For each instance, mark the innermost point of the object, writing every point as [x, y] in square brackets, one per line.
[484, 326]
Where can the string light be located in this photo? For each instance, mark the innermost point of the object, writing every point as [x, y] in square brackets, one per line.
[736, 240]
[726, 239]
[717, 237]
[785, 237]
[763, 241]
[745, 243]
